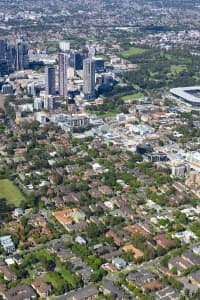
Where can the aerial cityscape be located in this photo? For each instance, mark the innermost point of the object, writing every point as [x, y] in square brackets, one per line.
[100, 150]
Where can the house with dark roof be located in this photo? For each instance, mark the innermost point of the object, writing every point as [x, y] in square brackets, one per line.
[20, 292]
[195, 278]
[86, 293]
[108, 288]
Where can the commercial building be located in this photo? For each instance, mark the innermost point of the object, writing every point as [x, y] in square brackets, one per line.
[77, 61]
[7, 89]
[157, 156]
[179, 169]
[50, 80]
[22, 60]
[194, 159]
[99, 65]
[144, 148]
[2, 49]
[7, 244]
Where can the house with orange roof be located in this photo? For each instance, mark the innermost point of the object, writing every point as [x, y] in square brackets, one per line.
[137, 253]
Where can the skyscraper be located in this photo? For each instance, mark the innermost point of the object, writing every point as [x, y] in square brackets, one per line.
[11, 57]
[3, 64]
[50, 80]
[62, 74]
[21, 56]
[2, 50]
[78, 61]
[89, 77]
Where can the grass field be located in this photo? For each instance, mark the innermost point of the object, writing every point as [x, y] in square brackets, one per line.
[108, 114]
[133, 96]
[131, 52]
[55, 279]
[10, 192]
[177, 69]
[66, 274]
[105, 57]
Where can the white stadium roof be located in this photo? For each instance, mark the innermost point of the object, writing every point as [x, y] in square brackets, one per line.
[184, 94]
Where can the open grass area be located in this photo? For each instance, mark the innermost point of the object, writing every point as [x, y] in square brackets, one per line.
[43, 254]
[177, 68]
[108, 114]
[105, 57]
[133, 96]
[62, 273]
[66, 274]
[131, 52]
[54, 279]
[10, 192]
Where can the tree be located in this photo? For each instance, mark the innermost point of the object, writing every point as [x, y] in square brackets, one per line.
[164, 261]
[174, 270]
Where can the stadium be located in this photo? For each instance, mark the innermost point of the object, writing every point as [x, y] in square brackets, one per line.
[189, 95]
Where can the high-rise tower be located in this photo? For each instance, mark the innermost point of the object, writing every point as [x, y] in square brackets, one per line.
[21, 61]
[50, 80]
[62, 74]
[89, 77]
[2, 50]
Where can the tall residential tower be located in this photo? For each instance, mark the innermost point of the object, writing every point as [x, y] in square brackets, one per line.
[62, 74]
[89, 77]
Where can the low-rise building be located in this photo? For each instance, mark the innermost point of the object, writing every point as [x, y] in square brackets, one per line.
[7, 244]
[42, 288]
[20, 292]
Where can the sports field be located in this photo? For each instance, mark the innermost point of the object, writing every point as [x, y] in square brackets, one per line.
[10, 192]
[131, 52]
[133, 96]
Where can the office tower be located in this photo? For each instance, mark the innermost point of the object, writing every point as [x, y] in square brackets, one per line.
[2, 50]
[78, 61]
[50, 80]
[21, 56]
[89, 77]
[3, 63]
[11, 57]
[62, 74]
[99, 65]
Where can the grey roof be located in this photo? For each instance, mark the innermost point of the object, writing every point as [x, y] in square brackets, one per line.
[191, 257]
[109, 285]
[196, 276]
[81, 294]
[20, 292]
[140, 277]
